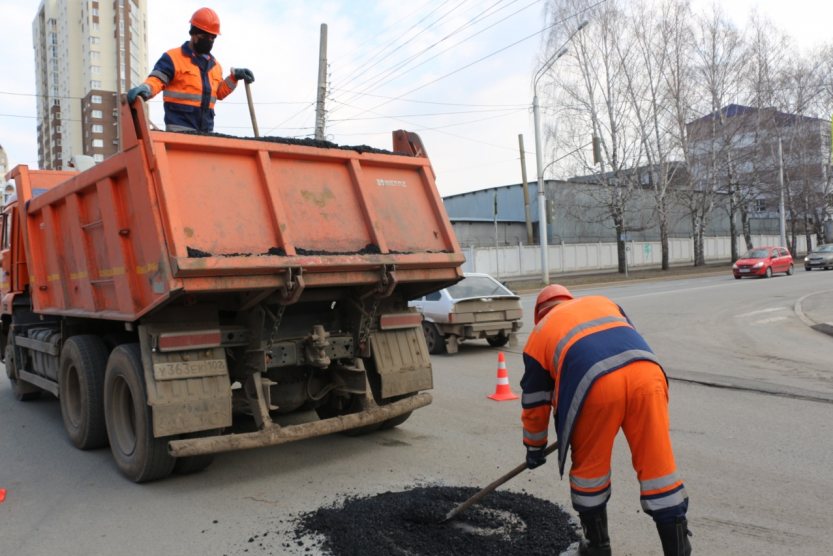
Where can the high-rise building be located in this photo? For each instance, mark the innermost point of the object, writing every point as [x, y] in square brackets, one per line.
[4, 167]
[87, 52]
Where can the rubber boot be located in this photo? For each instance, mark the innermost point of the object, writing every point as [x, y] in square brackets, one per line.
[596, 541]
[674, 537]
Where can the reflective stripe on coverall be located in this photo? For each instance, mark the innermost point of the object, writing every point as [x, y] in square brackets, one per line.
[569, 360]
[192, 84]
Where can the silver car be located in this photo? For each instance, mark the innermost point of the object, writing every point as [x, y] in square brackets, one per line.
[478, 307]
[820, 257]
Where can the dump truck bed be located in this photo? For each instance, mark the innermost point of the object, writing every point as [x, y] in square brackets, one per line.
[174, 214]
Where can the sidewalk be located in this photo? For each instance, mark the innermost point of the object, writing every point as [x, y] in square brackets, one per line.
[816, 310]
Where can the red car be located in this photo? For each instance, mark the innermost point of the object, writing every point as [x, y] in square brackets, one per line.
[763, 261]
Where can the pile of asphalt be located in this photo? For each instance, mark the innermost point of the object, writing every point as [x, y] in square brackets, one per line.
[305, 142]
[409, 523]
[369, 249]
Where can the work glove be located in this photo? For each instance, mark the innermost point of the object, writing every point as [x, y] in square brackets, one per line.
[535, 456]
[244, 74]
[141, 91]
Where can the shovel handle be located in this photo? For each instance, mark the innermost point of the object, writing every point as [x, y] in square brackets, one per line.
[252, 109]
[492, 486]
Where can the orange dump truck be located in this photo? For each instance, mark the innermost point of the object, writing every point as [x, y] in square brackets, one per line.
[193, 281]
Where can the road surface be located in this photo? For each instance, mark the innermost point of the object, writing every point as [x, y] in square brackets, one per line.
[751, 413]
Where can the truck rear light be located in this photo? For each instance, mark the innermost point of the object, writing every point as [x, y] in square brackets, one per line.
[451, 317]
[200, 339]
[403, 320]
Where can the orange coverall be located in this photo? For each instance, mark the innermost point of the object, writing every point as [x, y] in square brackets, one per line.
[586, 364]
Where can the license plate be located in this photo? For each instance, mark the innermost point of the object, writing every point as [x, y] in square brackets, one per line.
[189, 369]
[743, 270]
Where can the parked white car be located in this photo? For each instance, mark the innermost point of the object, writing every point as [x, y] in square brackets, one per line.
[478, 307]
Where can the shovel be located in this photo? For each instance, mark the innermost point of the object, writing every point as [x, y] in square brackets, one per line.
[480, 495]
[252, 109]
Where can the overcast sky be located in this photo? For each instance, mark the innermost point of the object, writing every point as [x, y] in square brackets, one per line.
[468, 112]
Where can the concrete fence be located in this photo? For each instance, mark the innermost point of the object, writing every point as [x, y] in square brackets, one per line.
[521, 261]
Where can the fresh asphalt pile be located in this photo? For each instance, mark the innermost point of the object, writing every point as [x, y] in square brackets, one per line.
[304, 142]
[409, 523]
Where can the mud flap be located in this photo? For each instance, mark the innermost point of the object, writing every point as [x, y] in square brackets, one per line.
[202, 401]
[402, 361]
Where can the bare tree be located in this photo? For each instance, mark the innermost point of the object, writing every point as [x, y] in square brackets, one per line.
[590, 91]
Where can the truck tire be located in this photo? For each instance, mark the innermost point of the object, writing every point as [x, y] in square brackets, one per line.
[396, 421]
[23, 391]
[336, 406]
[139, 455]
[498, 341]
[81, 389]
[192, 464]
[435, 340]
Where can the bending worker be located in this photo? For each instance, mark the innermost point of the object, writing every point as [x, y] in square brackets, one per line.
[191, 78]
[587, 364]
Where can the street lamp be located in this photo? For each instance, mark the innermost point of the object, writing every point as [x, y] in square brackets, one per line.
[782, 220]
[542, 198]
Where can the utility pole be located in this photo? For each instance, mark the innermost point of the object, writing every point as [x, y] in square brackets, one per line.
[782, 221]
[529, 239]
[497, 249]
[320, 113]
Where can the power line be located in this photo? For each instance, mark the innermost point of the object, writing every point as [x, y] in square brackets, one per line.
[399, 37]
[486, 57]
[376, 85]
[437, 103]
[513, 109]
[106, 92]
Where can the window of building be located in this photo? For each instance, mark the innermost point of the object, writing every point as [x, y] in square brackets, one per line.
[53, 38]
[98, 128]
[56, 102]
[95, 69]
[95, 40]
[54, 51]
[121, 25]
[58, 129]
[59, 142]
[95, 11]
[95, 55]
[96, 99]
[97, 114]
[97, 157]
[96, 84]
[55, 91]
[57, 115]
[58, 156]
[95, 26]
[54, 65]
[760, 205]
[98, 143]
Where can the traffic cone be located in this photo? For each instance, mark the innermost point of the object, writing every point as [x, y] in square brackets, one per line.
[502, 392]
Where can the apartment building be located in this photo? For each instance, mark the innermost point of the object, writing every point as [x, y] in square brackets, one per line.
[87, 53]
[4, 167]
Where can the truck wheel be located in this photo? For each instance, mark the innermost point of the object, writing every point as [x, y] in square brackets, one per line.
[498, 341]
[192, 464]
[139, 456]
[23, 391]
[435, 340]
[396, 421]
[336, 406]
[81, 389]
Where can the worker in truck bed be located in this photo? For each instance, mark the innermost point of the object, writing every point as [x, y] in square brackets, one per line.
[585, 362]
[191, 78]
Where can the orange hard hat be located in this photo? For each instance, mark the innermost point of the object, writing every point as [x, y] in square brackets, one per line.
[207, 20]
[553, 292]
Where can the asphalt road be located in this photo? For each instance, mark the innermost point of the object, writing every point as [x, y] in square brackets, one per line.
[751, 412]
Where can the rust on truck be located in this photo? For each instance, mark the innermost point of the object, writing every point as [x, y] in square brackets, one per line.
[193, 278]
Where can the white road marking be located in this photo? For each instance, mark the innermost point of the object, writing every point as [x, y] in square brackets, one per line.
[767, 321]
[759, 312]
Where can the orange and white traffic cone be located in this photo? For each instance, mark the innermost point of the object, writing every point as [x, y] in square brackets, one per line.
[502, 392]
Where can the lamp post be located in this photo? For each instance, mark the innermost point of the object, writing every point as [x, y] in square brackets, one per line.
[782, 219]
[542, 197]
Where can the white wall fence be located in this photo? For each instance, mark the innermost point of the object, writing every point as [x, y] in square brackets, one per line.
[523, 261]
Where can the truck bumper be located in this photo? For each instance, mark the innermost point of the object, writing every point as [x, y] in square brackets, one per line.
[274, 434]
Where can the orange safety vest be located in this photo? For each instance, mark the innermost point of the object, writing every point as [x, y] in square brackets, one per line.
[191, 85]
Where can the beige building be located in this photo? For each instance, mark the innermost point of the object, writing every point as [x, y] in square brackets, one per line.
[87, 52]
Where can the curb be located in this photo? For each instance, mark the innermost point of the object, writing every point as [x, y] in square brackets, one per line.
[630, 280]
[823, 327]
